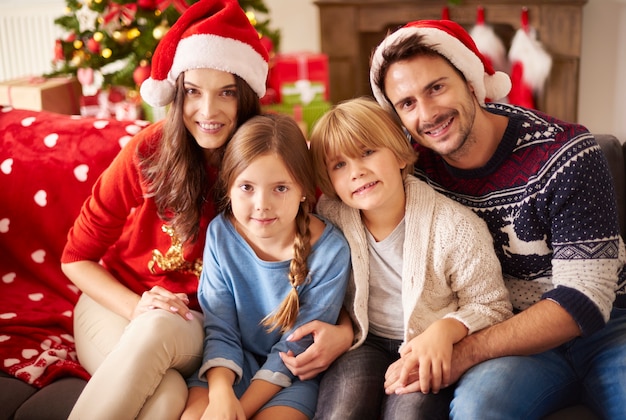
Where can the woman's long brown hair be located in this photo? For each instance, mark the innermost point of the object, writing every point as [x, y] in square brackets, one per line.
[277, 135]
[176, 171]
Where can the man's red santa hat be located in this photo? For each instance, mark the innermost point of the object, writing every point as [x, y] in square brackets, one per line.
[213, 34]
[449, 39]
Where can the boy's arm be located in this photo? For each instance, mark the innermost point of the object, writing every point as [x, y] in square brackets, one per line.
[329, 342]
[430, 354]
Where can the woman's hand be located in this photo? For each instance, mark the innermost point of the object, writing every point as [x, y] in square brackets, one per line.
[160, 298]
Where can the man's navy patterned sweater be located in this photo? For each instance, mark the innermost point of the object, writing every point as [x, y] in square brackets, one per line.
[548, 199]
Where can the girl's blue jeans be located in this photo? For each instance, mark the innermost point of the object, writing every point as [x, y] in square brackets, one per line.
[590, 370]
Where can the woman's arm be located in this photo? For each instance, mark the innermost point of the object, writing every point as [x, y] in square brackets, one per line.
[100, 285]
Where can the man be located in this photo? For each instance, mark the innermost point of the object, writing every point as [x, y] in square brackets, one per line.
[544, 189]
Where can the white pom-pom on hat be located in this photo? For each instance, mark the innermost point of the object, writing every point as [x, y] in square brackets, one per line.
[449, 39]
[212, 34]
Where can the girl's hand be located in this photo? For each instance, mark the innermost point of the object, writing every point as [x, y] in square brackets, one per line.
[226, 406]
[160, 298]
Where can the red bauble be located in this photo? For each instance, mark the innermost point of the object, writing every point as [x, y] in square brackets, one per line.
[141, 73]
[58, 50]
[93, 45]
[147, 4]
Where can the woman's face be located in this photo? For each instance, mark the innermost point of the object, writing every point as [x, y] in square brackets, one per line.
[210, 106]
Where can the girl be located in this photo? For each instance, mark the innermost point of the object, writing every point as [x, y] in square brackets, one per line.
[269, 266]
[425, 273]
[135, 250]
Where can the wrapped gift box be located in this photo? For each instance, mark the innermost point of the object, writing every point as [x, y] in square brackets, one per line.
[309, 113]
[300, 78]
[56, 94]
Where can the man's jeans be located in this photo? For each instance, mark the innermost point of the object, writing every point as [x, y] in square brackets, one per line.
[590, 370]
[353, 388]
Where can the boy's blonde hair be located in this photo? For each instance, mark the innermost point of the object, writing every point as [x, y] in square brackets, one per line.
[351, 126]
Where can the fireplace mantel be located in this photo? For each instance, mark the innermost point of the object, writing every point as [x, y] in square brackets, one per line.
[351, 29]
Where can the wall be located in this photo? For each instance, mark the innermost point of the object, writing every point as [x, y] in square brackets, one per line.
[602, 102]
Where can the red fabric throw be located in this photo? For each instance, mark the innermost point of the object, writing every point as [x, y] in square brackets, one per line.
[48, 163]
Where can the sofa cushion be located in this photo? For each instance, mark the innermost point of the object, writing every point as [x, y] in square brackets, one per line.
[48, 163]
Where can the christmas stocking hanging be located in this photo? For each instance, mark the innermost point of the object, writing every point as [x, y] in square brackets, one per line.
[530, 65]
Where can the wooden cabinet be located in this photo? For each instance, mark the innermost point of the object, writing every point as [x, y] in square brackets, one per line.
[351, 29]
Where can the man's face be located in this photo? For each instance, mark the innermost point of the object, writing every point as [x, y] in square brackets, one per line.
[435, 104]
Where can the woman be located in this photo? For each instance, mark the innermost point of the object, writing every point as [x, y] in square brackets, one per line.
[135, 250]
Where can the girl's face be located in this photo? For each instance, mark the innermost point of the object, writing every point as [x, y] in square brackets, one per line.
[265, 200]
[369, 182]
[210, 106]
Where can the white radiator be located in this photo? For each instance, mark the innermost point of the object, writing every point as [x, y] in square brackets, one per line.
[27, 37]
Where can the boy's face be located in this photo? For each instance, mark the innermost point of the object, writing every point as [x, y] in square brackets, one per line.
[369, 182]
[435, 104]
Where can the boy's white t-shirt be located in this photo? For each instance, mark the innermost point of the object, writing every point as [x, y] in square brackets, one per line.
[385, 313]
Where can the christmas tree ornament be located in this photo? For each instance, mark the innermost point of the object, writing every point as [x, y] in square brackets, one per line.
[142, 72]
[449, 39]
[489, 44]
[160, 31]
[219, 27]
[93, 45]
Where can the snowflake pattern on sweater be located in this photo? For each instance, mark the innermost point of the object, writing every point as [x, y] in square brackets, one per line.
[548, 199]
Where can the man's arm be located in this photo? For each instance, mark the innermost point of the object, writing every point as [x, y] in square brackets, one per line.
[543, 326]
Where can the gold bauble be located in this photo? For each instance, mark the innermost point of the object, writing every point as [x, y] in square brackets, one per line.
[78, 44]
[133, 33]
[106, 53]
[160, 31]
[98, 36]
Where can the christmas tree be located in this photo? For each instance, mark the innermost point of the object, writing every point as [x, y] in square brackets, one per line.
[116, 38]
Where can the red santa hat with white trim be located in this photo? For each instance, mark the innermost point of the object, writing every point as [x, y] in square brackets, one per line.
[213, 34]
[449, 39]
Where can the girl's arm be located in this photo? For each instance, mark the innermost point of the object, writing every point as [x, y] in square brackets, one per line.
[258, 393]
[223, 402]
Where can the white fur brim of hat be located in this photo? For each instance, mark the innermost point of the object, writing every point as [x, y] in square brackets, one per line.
[201, 51]
[494, 87]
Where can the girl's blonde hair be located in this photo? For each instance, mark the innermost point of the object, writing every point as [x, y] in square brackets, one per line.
[277, 135]
[351, 126]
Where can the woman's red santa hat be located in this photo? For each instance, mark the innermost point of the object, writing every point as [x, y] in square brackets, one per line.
[213, 34]
[449, 39]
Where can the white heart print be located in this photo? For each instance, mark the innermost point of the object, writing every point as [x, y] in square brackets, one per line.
[51, 140]
[4, 338]
[29, 353]
[80, 172]
[41, 198]
[4, 225]
[8, 278]
[38, 256]
[35, 297]
[27, 122]
[100, 124]
[10, 362]
[6, 166]
[8, 315]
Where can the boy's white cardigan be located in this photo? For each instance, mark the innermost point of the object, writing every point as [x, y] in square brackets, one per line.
[450, 268]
